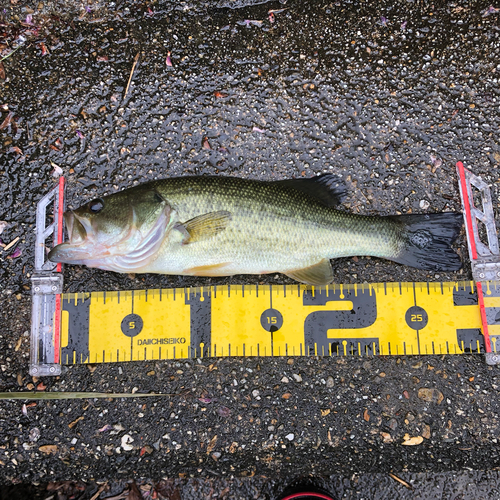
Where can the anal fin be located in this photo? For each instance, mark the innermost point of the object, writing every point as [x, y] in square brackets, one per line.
[317, 274]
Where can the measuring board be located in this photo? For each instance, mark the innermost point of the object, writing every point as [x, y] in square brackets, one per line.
[273, 320]
[269, 320]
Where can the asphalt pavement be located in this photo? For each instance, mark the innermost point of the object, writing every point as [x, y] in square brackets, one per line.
[386, 94]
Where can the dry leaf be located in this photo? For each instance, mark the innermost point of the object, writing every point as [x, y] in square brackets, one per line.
[366, 416]
[212, 444]
[430, 395]
[412, 441]
[386, 437]
[324, 413]
[49, 449]
[57, 172]
[72, 424]
[7, 121]
[399, 480]
[426, 433]
[134, 493]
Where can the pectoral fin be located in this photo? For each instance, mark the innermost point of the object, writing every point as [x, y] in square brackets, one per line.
[204, 226]
[317, 274]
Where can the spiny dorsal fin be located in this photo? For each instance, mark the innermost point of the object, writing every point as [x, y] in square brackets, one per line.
[205, 226]
[317, 274]
[326, 188]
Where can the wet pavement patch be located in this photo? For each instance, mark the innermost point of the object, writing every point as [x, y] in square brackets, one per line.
[468, 485]
[388, 95]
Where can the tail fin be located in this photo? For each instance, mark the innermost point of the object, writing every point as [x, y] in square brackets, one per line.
[427, 240]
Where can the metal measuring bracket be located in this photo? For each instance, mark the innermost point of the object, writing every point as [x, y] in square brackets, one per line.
[47, 286]
[484, 251]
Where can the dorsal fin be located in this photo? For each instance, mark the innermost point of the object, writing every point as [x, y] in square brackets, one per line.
[326, 188]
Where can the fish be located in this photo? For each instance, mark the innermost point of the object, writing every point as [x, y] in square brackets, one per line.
[223, 226]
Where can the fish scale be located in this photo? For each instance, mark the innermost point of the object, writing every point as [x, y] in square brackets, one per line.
[262, 227]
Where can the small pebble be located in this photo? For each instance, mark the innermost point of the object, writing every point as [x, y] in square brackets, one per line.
[290, 436]
[126, 440]
[34, 434]
[424, 204]
[431, 395]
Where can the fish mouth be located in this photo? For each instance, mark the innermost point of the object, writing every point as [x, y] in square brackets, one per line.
[77, 249]
[76, 230]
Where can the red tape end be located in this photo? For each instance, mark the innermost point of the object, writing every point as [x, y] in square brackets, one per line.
[59, 240]
[472, 242]
[468, 215]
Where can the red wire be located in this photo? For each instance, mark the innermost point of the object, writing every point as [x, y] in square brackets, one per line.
[302, 495]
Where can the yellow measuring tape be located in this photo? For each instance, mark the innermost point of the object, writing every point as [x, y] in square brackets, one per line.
[277, 320]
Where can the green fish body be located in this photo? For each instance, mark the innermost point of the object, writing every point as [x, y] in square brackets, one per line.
[221, 226]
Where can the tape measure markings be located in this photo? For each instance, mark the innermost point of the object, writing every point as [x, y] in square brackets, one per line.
[367, 319]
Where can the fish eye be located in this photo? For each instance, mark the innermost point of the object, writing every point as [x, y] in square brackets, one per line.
[95, 206]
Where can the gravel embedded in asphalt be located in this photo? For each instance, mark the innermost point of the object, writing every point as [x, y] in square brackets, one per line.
[388, 95]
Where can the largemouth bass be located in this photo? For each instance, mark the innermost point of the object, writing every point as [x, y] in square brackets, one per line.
[221, 226]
